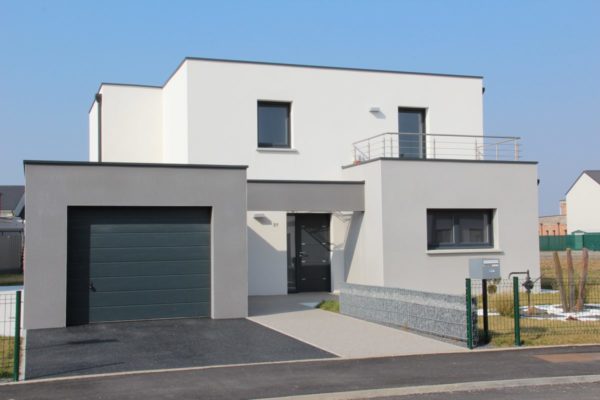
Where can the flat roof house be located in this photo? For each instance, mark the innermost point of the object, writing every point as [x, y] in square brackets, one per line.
[244, 178]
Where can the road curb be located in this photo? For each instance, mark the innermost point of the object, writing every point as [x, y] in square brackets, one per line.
[445, 388]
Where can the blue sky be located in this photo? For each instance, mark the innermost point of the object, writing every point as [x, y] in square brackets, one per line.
[540, 60]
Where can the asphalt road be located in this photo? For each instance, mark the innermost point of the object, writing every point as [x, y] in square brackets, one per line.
[585, 391]
[327, 376]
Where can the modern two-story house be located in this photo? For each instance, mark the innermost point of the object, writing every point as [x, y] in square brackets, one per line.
[244, 178]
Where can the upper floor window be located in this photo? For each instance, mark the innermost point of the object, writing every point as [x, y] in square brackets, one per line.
[274, 124]
[411, 127]
[459, 228]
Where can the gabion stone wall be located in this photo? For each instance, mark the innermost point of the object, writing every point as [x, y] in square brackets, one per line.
[432, 313]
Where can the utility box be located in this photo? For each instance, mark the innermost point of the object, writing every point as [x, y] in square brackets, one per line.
[484, 268]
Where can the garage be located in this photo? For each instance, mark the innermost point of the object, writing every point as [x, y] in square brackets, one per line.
[137, 263]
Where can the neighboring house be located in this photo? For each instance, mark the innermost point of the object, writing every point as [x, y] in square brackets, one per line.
[553, 225]
[243, 178]
[11, 228]
[583, 198]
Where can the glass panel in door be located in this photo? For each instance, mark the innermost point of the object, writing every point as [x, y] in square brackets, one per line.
[411, 127]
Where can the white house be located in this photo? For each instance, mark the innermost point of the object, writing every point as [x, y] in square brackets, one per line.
[361, 176]
[583, 199]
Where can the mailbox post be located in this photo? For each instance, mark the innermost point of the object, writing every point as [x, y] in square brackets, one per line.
[484, 269]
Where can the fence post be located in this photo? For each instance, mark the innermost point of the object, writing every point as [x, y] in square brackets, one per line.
[516, 311]
[484, 299]
[17, 337]
[469, 301]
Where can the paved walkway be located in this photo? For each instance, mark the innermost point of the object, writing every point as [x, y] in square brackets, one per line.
[295, 316]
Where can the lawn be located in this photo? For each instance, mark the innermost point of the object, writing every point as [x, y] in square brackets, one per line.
[329, 305]
[544, 331]
[11, 279]
[6, 356]
[539, 332]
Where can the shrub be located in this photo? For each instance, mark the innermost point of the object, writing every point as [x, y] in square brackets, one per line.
[503, 304]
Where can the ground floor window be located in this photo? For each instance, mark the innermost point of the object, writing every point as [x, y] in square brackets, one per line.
[459, 228]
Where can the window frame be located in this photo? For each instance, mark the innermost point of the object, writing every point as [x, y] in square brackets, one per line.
[456, 243]
[422, 150]
[263, 145]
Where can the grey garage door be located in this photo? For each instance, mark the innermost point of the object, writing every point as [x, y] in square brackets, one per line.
[131, 263]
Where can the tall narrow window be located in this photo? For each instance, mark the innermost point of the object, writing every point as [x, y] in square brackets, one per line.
[273, 124]
[411, 129]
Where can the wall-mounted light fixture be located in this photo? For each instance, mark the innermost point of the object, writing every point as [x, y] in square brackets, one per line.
[375, 109]
[263, 219]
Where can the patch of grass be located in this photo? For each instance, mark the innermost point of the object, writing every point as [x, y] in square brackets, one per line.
[542, 332]
[536, 332]
[6, 356]
[502, 303]
[11, 279]
[329, 305]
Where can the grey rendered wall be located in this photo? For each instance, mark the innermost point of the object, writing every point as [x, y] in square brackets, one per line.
[364, 252]
[397, 196]
[51, 188]
[305, 196]
[433, 313]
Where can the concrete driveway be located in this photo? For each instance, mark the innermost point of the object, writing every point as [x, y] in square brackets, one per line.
[161, 344]
[294, 315]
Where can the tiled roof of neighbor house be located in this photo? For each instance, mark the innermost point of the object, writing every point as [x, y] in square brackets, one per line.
[592, 173]
[10, 196]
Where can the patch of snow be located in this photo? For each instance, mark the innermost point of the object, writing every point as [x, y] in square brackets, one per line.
[490, 314]
[554, 312]
[310, 305]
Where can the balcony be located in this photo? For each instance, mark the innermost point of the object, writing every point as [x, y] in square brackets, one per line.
[437, 146]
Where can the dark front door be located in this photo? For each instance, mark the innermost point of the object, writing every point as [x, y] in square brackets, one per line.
[313, 261]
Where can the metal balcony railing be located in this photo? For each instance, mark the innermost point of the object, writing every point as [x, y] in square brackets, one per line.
[437, 146]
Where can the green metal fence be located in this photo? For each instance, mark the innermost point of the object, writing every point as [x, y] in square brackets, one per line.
[591, 241]
[537, 317]
[10, 334]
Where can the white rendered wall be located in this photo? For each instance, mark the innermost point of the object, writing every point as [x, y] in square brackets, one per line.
[409, 188]
[93, 132]
[131, 123]
[175, 118]
[267, 254]
[583, 201]
[330, 110]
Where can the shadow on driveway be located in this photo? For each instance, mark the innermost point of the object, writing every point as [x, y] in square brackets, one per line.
[146, 345]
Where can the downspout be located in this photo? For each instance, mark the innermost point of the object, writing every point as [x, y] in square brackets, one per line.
[99, 101]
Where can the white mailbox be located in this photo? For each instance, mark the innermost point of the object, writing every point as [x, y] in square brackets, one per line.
[484, 268]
